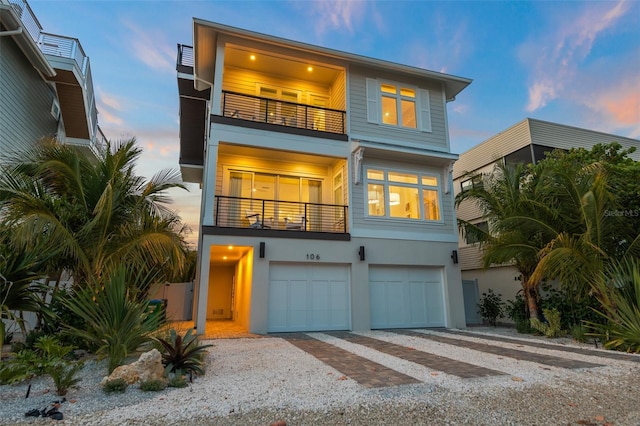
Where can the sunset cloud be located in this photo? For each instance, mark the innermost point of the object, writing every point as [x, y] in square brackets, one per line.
[555, 57]
[338, 14]
[109, 108]
[148, 46]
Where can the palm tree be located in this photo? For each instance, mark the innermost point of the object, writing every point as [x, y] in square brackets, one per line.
[92, 215]
[590, 238]
[519, 224]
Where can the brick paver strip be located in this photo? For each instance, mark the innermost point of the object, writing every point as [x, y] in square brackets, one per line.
[434, 362]
[368, 373]
[583, 351]
[553, 361]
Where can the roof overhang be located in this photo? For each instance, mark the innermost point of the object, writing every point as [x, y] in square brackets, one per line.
[406, 154]
[10, 21]
[205, 36]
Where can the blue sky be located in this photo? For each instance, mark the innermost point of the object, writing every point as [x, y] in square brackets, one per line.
[570, 62]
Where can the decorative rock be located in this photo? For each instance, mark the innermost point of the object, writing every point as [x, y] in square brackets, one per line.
[147, 367]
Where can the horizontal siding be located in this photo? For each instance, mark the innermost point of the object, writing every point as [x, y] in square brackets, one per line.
[25, 101]
[469, 210]
[362, 222]
[358, 111]
[493, 148]
[470, 257]
[566, 137]
[538, 132]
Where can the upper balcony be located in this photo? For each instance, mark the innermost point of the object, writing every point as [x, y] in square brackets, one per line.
[290, 117]
[260, 89]
[71, 73]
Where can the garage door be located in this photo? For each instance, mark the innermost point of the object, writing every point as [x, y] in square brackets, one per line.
[308, 297]
[402, 297]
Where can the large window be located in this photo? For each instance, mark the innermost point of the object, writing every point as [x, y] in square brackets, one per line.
[396, 104]
[395, 194]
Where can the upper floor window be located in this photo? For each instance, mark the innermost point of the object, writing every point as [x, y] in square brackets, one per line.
[399, 105]
[477, 235]
[473, 182]
[395, 194]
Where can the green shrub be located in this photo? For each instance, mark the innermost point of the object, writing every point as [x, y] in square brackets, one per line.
[491, 307]
[619, 295]
[551, 328]
[177, 381]
[518, 312]
[183, 353]
[153, 385]
[64, 376]
[115, 386]
[579, 333]
[116, 322]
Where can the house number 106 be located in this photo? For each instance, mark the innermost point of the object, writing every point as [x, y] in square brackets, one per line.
[311, 256]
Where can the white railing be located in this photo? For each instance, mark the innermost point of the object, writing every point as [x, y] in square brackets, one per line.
[28, 18]
[63, 47]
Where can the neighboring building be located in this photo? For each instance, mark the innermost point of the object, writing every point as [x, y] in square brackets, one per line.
[45, 86]
[525, 142]
[326, 185]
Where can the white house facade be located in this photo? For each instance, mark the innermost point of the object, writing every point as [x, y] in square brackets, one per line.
[326, 186]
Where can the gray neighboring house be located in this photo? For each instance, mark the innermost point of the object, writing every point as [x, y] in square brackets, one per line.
[326, 185]
[46, 88]
[524, 142]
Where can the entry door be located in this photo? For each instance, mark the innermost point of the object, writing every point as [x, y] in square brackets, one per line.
[308, 297]
[405, 297]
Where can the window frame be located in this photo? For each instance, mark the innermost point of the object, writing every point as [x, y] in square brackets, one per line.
[475, 181]
[420, 187]
[421, 100]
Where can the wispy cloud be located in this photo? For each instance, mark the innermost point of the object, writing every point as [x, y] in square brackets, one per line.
[148, 46]
[337, 14]
[109, 108]
[556, 57]
[446, 50]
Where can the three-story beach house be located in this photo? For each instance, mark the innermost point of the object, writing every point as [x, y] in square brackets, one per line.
[327, 199]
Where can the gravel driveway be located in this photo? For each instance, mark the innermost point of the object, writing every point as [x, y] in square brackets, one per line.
[264, 380]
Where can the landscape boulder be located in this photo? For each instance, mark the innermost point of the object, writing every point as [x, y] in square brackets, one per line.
[147, 367]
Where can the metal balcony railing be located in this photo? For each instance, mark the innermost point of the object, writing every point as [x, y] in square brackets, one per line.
[28, 18]
[238, 212]
[185, 55]
[265, 110]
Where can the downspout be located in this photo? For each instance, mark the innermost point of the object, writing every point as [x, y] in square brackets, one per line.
[11, 32]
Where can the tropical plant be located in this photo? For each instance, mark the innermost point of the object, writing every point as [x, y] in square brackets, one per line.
[91, 215]
[20, 288]
[586, 187]
[48, 356]
[153, 385]
[491, 307]
[115, 386]
[552, 326]
[516, 310]
[618, 291]
[509, 199]
[65, 376]
[117, 323]
[183, 353]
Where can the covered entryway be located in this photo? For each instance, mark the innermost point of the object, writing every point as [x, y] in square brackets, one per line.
[308, 297]
[405, 297]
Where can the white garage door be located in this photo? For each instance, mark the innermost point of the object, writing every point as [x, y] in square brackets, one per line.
[308, 297]
[404, 297]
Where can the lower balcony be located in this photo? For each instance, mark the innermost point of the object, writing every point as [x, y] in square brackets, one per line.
[281, 219]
